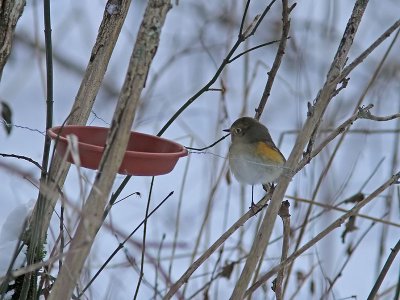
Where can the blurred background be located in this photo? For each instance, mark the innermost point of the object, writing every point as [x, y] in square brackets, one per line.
[207, 200]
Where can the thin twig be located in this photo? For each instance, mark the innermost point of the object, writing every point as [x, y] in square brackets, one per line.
[251, 29]
[331, 207]
[178, 214]
[29, 286]
[373, 173]
[362, 113]
[389, 200]
[24, 158]
[121, 245]
[144, 239]
[369, 116]
[384, 271]
[304, 224]
[49, 84]
[253, 48]
[334, 225]
[108, 33]
[206, 254]
[285, 216]
[246, 8]
[241, 37]
[156, 292]
[347, 70]
[350, 251]
[397, 293]
[9, 274]
[143, 53]
[62, 239]
[126, 197]
[277, 61]
[210, 202]
[132, 262]
[321, 103]
[210, 146]
[350, 131]
[302, 280]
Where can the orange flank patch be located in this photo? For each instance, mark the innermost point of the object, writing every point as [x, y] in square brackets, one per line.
[269, 153]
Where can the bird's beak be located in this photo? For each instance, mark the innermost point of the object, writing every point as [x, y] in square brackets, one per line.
[227, 130]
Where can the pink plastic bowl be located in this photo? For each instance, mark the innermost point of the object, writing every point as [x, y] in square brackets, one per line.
[146, 155]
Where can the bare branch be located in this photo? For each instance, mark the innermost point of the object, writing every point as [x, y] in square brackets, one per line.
[241, 38]
[108, 33]
[122, 244]
[334, 225]
[347, 70]
[321, 102]
[196, 264]
[366, 114]
[285, 216]
[92, 217]
[257, 21]
[24, 158]
[252, 49]
[10, 12]
[384, 271]
[337, 208]
[277, 61]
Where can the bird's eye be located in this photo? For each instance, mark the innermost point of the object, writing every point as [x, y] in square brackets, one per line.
[237, 130]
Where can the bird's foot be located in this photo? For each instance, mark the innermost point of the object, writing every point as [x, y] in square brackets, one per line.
[269, 188]
[255, 209]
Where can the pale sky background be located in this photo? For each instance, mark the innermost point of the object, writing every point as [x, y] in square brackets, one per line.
[209, 29]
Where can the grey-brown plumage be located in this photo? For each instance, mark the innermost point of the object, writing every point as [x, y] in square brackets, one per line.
[253, 156]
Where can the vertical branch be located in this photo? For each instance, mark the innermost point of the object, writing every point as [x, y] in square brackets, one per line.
[92, 216]
[278, 59]
[8, 275]
[121, 245]
[49, 85]
[397, 293]
[334, 225]
[109, 30]
[384, 271]
[202, 258]
[357, 114]
[10, 12]
[319, 108]
[242, 36]
[35, 243]
[178, 214]
[144, 239]
[285, 216]
[391, 196]
[62, 239]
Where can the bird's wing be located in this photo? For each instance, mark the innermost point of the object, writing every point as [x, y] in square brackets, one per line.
[270, 152]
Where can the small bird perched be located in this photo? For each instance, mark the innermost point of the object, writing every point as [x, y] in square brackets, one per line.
[253, 156]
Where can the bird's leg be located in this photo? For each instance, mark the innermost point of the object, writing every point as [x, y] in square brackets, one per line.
[252, 196]
[254, 207]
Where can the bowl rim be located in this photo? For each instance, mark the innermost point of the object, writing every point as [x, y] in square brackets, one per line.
[52, 132]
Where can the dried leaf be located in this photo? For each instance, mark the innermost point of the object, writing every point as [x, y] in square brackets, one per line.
[227, 270]
[228, 177]
[6, 114]
[350, 226]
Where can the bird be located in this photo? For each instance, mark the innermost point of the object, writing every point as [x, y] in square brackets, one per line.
[253, 156]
